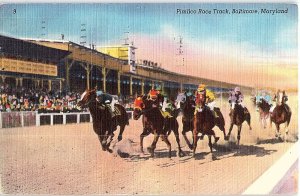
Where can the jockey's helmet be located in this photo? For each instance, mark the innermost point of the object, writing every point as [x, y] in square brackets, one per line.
[201, 87]
[153, 94]
[237, 89]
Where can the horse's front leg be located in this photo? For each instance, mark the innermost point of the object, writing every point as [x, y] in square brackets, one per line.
[239, 135]
[122, 127]
[144, 134]
[277, 134]
[230, 129]
[103, 144]
[153, 145]
[111, 136]
[165, 139]
[184, 130]
[180, 152]
[195, 140]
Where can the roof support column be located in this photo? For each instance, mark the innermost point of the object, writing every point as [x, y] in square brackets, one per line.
[60, 85]
[130, 86]
[143, 86]
[104, 78]
[181, 87]
[88, 71]
[21, 82]
[68, 67]
[119, 83]
[50, 85]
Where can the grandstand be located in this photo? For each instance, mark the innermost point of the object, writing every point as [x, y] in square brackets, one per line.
[65, 65]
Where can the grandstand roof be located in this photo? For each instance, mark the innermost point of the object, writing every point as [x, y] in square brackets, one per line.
[27, 50]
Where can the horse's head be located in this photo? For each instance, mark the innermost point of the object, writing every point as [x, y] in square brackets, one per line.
[281, 97]
[201, 100]
[87, 97]
[138, 107]
[180, 100]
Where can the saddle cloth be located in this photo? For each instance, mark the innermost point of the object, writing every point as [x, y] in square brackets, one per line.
[165, 114]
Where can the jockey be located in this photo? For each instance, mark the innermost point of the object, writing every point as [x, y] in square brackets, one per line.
[164, 107]
[106, 100]
[153, 95]
[209, 98]
[236, 97]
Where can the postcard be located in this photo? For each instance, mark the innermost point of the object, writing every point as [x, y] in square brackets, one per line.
[148, 98]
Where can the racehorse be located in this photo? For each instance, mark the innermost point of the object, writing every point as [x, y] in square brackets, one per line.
[281, 113]
[204, 122]
[264, 111]
[187, 105]
[237, 116]
[103, 125]
[154, 122]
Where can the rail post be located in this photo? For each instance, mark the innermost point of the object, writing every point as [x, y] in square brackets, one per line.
[78, 118]
[51, 119]
[0, 120]
[37, 119]
[64, 119]
[22, 118]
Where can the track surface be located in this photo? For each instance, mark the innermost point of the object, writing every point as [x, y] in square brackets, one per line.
[66, 159]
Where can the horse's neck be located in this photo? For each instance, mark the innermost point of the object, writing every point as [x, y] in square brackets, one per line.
[151, 113]
[188, 109]
[94, 110]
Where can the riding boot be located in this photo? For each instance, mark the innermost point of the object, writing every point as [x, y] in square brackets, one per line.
[111, 112]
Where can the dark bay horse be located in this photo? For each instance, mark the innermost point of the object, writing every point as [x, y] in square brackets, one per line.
[103, 125]
[264, 111]
[154, 122]
[204, 122]
[281, 113]
[187, 105]
[237, 116]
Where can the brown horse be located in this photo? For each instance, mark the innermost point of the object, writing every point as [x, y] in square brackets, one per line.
[281, 113]
[103, 124]
[187, 106]
[264, 111]
[204, 122]
[237, 116]
[155, 123]
[186, 103]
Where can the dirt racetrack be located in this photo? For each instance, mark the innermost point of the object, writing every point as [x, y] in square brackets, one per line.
[66, 159]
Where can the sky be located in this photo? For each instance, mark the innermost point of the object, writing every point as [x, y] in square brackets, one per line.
[258, 50]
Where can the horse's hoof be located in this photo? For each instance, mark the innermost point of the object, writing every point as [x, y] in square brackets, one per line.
[201, 137]
[217, 139]
[150, 150]
[109, 150]
[181, 154]
[191, 147]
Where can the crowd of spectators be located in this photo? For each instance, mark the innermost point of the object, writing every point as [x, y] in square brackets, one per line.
[37, 99]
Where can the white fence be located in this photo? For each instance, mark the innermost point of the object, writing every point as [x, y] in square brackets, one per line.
[25, 119]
